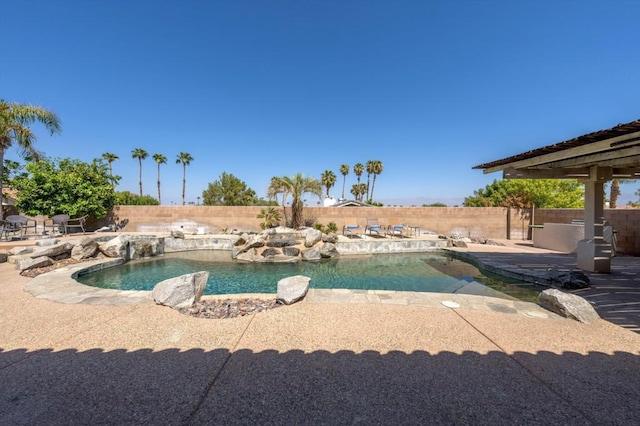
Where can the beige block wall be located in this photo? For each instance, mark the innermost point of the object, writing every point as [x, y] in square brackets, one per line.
[472, 222]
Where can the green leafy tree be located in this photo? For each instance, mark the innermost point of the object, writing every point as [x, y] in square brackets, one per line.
[525, 193]
[66, 186]
[110, 157]
[185, 159]
[126, 198]
[140, 154]
[15, 122]
[298, 185]
[228, 190]
[344, 170]
[328, 179]
[160, 159]
[376, 169]
[435, 205]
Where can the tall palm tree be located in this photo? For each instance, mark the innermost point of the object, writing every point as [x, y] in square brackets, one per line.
[358, 190]
[377, 169]
[110, 158]
[15, 119]
[276, 186]
[358, 169]
[140, 154]
[160, 159]
[297, 185]
[344, 169]
[328, 179]
[369, 168]
[185, 158]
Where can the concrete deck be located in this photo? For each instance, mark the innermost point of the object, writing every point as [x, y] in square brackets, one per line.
[330, 359]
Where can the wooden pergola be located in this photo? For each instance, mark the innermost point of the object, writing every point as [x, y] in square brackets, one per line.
[594, 159]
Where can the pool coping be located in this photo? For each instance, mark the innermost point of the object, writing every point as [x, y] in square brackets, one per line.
[60, 286]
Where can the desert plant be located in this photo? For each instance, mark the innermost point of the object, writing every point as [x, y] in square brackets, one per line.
[271, 218]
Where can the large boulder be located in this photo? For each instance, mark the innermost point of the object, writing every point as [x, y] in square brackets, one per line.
[115, 247]
[311, 254]
[143, 248]
[270, 252]
[29, 263]
[20, 250]
[253, 241]
[61, 249]
[329, 250]
[86, 248]
[182, 291]
[292, 289]
[247, 256]
[291, 251]
[568, 305]
[311, 236]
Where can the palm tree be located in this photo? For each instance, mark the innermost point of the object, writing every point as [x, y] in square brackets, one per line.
[140, 154]
[276, 186]
[358, 190]
[185, 158]
[160, 159]
[328, 179]
[110, 158]
[344, 169]
[15, 119]
[614, 192]
[297, 185]
[358, 169]
[369, 167]
[377, 169]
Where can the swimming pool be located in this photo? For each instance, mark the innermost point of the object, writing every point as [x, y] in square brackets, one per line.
[421, 272]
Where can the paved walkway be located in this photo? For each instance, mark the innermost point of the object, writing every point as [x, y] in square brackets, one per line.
[315, 362]
[615, 296]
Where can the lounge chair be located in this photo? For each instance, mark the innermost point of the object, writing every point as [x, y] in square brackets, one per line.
[7, 228]
[397, 229]
[56, 224]
[351, 228]
[75, 223]
[24, 222]
[373, 227]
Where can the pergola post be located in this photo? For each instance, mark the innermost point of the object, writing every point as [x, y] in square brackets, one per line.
[594, 253]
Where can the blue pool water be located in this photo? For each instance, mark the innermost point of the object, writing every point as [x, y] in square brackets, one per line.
[423, 272]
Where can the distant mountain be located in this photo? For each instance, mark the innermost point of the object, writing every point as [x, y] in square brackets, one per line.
[419, 201]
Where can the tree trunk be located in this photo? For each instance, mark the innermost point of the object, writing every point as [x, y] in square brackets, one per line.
[140, 161]
[184, 181]
[615, 193]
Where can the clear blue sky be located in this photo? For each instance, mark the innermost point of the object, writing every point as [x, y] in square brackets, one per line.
[271, 88]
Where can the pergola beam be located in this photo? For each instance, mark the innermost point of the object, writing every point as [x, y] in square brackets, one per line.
[569, 153]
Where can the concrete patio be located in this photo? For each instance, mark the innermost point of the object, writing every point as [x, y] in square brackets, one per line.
[330, 359]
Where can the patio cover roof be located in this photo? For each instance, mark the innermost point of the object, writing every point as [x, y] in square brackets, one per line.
[617, 148]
